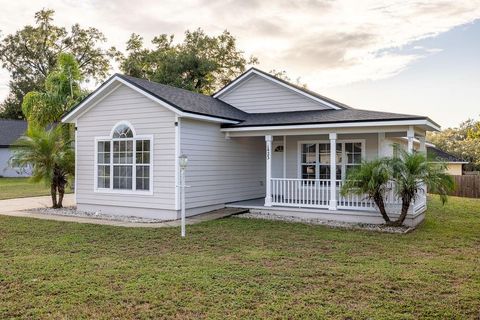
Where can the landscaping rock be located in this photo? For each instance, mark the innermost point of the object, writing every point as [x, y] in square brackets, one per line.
[73, 212]
[329, 223]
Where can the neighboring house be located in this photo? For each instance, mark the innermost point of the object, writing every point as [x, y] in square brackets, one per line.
[10, 131]
[259, 143]
[454, 164]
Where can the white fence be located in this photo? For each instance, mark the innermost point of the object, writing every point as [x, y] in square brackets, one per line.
[316, 193]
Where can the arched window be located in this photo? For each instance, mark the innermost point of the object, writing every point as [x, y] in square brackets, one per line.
[124, 161]
[122, 131]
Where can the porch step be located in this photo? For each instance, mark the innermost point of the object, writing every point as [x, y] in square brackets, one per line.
[217, 214]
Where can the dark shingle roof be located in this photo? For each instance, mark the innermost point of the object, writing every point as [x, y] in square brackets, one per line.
[200, 104]
[188, 101]
[437, 154]
[10, 131]
[320, 117]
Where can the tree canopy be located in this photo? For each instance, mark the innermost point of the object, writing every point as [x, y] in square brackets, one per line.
[31, 53]
[201, 63]
[62, 91]
[463, 141]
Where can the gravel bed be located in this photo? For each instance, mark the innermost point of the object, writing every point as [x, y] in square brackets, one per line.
[73, 212]
[329, 223]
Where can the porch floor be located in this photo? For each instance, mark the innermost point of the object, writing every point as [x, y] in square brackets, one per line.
[259, 203]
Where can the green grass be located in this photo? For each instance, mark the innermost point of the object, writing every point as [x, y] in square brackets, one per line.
[238, 268]
[21, 188]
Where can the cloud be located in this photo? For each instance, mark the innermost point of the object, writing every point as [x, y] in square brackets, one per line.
[324, 42]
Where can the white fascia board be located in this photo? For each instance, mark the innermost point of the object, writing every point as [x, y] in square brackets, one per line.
[336, 125]
[450, 162]
[72, 116]
[253, 71]
[206, 118]
[84, 106]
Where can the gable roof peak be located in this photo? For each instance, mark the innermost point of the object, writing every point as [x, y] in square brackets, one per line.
[298, 89]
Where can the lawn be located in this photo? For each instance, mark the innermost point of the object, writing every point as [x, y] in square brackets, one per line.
[239, 268]
[21, 188]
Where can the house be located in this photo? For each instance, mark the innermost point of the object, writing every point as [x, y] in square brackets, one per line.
[454, 164]
[10, 131]
[259, 143]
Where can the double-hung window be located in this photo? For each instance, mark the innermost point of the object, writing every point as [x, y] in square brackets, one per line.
[315, 159]
[124, 161]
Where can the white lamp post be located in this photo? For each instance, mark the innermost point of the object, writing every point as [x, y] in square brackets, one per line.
[182, 161]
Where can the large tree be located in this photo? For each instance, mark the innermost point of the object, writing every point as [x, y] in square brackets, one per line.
[62, 90]
[200, 63]
[31, 53]
[463, 141]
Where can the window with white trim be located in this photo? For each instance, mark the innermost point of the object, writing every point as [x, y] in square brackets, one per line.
[124, 161]
[315, 159]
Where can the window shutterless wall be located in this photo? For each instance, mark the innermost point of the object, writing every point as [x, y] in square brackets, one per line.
[111, 140]
[320, 161]
[149, 120]
[292, 154]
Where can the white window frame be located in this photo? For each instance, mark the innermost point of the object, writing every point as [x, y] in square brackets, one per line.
[133, 164]
[344, 158]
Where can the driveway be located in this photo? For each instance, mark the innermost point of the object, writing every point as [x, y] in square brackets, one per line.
[32, 203]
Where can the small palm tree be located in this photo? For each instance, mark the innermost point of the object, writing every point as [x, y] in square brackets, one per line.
[410, 172]
[370, 178]
[48, 156]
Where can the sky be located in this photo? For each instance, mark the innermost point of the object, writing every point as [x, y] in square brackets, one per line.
[414, 57]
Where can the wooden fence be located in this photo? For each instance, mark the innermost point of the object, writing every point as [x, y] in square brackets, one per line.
[467, 186]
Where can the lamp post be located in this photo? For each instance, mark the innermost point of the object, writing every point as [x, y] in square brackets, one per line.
[182, 161]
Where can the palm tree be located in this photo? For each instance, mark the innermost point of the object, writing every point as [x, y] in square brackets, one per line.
[410, 172]
[62, 91]
[370, 178]
[48, 156]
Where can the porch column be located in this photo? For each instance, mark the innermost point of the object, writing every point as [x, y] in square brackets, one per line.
[333, 171]
[423, 148]
[381, 145]
[268, 182]
[410, 136]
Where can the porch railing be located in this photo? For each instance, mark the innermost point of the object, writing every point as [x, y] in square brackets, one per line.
[316, 193]
[301, 192]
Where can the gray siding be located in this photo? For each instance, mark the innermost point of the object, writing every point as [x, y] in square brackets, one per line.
[259, 95]
[147, 118]
[221, 170]
[5, 169]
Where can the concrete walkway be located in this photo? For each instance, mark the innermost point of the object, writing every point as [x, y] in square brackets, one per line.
[19, 208]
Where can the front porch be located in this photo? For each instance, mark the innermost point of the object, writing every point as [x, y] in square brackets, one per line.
[314, 214]
[305, 171]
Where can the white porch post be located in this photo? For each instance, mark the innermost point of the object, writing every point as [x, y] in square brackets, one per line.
[423, 148]
[410, 136]
[333, 171]
[381, 145]
[268, 157]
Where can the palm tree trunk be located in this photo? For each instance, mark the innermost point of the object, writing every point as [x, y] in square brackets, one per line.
[61, 192]
[53, 194]
[405, 205]
[378, 199]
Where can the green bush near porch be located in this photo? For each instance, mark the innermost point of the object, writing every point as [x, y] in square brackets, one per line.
[238, 268]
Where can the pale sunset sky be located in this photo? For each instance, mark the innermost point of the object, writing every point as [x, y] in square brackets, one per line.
[414, 57]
